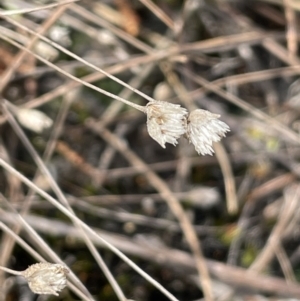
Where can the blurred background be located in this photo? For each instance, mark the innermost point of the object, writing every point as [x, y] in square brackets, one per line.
[238, 59]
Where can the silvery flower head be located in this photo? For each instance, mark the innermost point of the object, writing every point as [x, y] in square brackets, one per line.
[46, 278]
[165, 121]
[204, 128]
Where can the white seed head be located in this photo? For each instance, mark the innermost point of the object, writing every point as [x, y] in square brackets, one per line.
[204, 128]
[165, 121]
[46, 278]
[46, 51]
[33, 120]
[60, 35]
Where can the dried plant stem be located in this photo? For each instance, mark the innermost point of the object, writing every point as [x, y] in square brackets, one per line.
[93, 18]
[171, 200]
[250, 77]
[87, 228]
[236, 79]
[107, 116]
[78, 288]
[13, 272]
[275, 124]
[235, 276]
[83, 293]
[230, 188]
[158, 13]
[268, 252]
[39, 242]
[291, 34]
[6, 76]
[219, 43]
[222, 156]
[64, 50]
[59, 193]
[285, 264]
[65, 88]
[207, 46]
[60, 70]
[30, 10]
[192, 238]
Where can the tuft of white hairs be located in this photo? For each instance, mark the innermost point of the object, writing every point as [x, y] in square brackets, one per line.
[167, 122]
[204, 128]
[46, 278]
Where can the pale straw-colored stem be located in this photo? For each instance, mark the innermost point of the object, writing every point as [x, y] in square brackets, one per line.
[90, 231]
[111, 95]
[13, 272]
[78, 58]
[34, 9]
